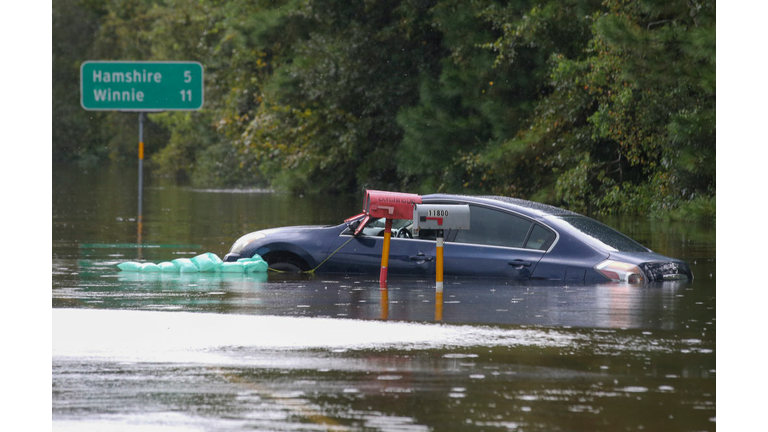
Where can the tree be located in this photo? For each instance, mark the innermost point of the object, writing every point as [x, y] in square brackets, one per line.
[629, 126]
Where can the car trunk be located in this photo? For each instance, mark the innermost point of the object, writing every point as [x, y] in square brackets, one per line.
[656, 267]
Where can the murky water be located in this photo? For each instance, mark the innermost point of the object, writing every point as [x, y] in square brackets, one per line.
[277, 352]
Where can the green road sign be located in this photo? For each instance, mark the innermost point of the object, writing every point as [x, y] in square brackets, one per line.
[141, 86]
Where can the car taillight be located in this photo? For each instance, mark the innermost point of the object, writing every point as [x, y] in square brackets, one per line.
[620, 271]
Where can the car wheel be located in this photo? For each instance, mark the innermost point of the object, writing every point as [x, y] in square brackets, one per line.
[285, 267]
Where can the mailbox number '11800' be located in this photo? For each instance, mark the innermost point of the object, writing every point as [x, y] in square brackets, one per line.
[437, 213]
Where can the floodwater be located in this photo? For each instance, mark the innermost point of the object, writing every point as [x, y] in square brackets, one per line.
[331, 352]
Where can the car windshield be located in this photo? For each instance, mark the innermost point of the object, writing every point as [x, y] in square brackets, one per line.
[604, 234]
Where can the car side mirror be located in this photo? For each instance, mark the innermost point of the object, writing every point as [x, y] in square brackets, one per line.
[353, 226]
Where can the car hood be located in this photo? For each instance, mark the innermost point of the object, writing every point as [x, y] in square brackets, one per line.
[298, 228]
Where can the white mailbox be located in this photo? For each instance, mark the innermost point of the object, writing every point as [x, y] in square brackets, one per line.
[440, 217]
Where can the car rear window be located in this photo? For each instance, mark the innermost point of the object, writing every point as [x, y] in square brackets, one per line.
[494, 228]
[540, 238]
[603, 234]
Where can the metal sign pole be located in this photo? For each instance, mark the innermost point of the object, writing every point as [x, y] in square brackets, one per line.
[141, 160]
[141, 176]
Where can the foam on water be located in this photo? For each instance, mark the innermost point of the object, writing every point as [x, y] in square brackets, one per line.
[198, 337]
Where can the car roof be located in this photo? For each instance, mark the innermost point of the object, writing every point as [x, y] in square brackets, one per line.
[528, 208]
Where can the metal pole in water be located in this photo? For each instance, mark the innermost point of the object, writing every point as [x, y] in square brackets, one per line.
[141, 176]
[141, 159]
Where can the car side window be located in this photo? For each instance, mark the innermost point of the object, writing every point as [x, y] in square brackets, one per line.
[540, 238]
[401, 228]
[494, 228]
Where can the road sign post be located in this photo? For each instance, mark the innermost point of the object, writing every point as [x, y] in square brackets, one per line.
[141, 86]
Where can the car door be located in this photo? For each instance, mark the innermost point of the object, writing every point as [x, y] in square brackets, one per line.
[362, 254]
[496, 245]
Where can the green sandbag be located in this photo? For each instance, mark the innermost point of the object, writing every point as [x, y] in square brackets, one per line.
[150, 268]
[130, 266]
[215, 258]
[168, 267]
[260, 266]
[255, 257]
[232, 267]
[186, 265]
[205, 263]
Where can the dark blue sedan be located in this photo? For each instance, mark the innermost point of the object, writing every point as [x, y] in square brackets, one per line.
[509, 238]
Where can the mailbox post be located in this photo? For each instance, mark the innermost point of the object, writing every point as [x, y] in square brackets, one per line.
[388, 205]
[440, 217]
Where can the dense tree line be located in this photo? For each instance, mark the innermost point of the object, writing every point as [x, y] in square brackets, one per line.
[599, 106]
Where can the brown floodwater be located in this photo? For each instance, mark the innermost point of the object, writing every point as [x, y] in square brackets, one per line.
[334, 352]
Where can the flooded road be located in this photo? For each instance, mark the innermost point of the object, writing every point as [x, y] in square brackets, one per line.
[331, 352]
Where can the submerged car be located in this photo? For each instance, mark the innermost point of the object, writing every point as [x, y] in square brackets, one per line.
[509, 238]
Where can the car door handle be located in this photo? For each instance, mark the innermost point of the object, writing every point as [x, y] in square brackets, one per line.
[520, 263]
[420, 258]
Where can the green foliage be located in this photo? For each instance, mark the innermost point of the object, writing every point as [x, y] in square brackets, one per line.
[628, 125]
[76, 133]
[696, 210]
[599, 106]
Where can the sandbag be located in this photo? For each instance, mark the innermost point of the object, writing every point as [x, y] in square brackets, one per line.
[129, 266]
[186, 265]
[259, 266]
[168, 267]
[255, 257]
[232, 267]
[205, 263]
[215, 258]
[150, 268]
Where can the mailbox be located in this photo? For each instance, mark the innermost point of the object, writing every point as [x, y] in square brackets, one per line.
[440, 217]
[390, 205]
[387, 205]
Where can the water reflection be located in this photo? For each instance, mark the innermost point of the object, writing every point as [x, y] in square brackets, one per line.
[464, 300]
[384, 303]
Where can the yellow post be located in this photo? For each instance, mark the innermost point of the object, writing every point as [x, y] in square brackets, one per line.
[385, 253]
[384, 303]
[439, 263]
[439, 306]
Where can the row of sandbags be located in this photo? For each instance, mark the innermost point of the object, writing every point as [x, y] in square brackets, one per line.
[207, 262]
